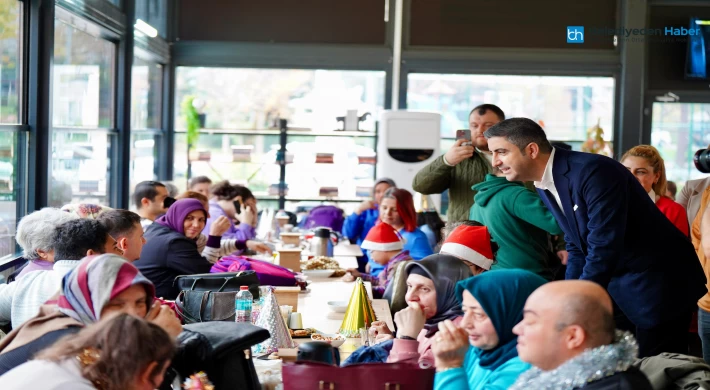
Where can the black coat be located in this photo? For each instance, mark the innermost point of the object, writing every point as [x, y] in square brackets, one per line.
[166, 255]
[632, 379]
[617, 237]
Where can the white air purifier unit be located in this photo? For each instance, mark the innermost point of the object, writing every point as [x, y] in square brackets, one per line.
[407, 142]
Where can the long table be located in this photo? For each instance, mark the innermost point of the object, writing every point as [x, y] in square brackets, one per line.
[313, 307]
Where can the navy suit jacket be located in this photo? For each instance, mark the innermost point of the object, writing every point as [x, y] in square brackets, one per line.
[617, 237]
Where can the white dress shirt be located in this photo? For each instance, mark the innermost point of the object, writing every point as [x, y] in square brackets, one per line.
[548, 182]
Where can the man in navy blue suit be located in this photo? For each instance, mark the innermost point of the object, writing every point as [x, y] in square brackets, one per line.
[614, 233]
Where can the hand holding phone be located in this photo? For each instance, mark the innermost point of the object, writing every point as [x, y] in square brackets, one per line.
[462, 149]
[464, 135]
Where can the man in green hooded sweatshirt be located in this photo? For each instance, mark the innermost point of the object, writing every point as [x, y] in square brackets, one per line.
[519, 223]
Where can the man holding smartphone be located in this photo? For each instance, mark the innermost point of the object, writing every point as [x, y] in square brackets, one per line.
[465, 164]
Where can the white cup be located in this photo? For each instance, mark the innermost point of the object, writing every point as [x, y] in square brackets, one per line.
[295, 321]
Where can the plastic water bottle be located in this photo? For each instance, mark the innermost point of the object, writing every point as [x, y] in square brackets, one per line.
[242, 305]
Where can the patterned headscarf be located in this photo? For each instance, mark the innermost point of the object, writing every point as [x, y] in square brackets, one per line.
[94, 282]
[85, 210]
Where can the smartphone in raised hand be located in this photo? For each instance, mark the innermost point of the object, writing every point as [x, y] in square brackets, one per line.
[464, 135]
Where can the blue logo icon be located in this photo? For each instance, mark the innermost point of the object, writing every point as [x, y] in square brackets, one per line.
[575, 34]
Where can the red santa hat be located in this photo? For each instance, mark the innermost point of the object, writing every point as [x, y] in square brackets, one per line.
[383, 237]
[471, 243]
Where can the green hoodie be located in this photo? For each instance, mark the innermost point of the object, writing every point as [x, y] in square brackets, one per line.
[518, 221]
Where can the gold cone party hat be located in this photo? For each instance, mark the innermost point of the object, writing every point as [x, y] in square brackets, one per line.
[359, 313]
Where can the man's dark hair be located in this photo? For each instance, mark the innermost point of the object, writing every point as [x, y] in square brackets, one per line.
[119, 223]
[73, 239]
[146, 189]
[520, 132]
[199, 180]
[484, 108]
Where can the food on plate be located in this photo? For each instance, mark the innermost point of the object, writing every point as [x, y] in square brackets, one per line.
[338, 273]
[274, 356]
[302, 332]
[320, 337]
[320, 263]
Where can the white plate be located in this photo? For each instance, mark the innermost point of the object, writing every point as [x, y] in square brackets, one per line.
[318, 273]
[335, 343]
[338, 306]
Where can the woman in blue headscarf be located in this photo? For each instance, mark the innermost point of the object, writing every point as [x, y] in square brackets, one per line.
[480, 353]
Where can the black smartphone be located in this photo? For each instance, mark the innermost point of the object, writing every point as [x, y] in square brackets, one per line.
[238, 206]
[168, 202]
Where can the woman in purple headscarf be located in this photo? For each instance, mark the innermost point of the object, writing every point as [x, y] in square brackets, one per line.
[171, 247]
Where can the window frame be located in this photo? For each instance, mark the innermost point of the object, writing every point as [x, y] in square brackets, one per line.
[21, 130]
[81, 23]
[533, 73]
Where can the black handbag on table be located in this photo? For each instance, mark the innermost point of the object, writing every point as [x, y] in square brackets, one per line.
[210, 297]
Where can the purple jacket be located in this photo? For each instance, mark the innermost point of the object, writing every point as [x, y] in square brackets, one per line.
[241, 232]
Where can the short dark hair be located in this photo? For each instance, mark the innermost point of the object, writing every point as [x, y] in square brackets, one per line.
[146, 189]
[119, 223]
[482, 109]
[199, 180]
[73, 239]
[227, 191]
[520, 132]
